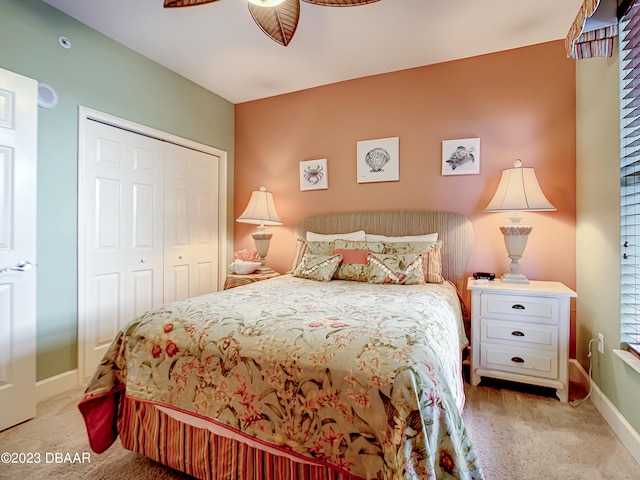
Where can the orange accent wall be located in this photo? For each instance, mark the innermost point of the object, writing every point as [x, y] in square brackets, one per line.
[520, 103]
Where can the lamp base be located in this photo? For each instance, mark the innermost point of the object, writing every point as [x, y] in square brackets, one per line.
[514, 278]
[261, 240]
[515, 239]
[264, 270]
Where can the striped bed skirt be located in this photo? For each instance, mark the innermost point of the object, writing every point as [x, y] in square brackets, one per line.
[198, 452]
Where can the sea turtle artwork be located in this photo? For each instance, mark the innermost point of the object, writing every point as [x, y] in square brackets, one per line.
[377, 158]
[461, 156]
[313, 174]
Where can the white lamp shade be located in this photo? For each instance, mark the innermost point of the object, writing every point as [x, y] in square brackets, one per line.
[519, 190]
[261, 209]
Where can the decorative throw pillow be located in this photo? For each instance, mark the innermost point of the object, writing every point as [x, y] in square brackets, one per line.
[320, 248]
[303, 247]
[349, 255]
[433, 264]
[356, 272]
[407, 269]
[432, 253]
[317, 267]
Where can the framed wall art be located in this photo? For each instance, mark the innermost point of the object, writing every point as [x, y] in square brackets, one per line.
[314, 175]
[461, 157]
[378, 160]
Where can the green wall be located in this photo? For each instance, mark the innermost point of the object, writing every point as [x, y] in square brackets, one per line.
[598, 231]
[101, 74]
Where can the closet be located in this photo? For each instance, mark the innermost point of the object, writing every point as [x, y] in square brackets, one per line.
[151, 228]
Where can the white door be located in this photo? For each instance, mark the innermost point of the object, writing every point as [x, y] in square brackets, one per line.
[151, 225]
[123, 232]
[18, 164]
[191, 223]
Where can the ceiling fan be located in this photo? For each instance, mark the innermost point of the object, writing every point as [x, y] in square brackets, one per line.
[277, 18]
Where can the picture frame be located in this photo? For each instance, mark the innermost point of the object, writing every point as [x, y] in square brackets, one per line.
[378, 160]
[461, 157]
[314, 175]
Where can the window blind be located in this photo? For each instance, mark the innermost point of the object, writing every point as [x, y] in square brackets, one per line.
[630, 177]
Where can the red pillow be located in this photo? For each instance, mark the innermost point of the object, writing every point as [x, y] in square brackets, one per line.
[352, 256]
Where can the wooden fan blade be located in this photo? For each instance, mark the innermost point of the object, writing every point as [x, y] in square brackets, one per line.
[185, 3]
[279, 22]
[340, 3]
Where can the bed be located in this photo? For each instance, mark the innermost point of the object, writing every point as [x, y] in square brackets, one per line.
[300, 377]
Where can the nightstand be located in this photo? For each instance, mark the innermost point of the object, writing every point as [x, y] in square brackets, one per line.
[521, 333]
[235, 280]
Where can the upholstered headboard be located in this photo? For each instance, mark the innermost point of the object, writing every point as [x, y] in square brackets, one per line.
[454, 229]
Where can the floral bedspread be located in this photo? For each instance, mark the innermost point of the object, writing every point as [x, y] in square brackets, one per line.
[365, 378]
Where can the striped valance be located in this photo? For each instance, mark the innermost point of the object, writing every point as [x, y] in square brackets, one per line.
[595, 40]
[596, 43]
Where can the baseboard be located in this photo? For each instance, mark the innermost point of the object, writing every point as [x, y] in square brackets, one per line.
[620, 426]
[52, 386]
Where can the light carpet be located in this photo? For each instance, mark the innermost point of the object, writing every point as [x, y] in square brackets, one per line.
[524, 433]
[519, 434]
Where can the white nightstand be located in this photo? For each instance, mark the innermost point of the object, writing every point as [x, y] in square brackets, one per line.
[521, 333]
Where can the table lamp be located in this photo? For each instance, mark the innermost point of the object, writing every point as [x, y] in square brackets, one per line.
[517, 191]
[261, 211]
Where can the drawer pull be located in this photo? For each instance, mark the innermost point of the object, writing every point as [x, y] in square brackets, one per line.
[517, 359]
[517, 306]
[517, 333]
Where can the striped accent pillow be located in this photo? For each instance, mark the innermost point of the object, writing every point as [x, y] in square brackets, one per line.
[305, 246]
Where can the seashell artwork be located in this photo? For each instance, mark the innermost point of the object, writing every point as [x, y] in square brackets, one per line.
[377, 158]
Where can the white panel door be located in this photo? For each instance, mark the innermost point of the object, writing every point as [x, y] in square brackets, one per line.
[191, 223]
[122, 195]
[18, 164]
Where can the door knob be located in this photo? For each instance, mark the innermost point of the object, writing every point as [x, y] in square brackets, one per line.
[22, 266]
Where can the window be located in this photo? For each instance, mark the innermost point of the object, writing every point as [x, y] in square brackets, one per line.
[630, 177]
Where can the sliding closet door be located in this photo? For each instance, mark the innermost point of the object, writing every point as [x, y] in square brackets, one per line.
[191, 223]
[123, 185]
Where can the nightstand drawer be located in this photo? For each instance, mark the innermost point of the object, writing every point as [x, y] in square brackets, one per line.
[520, 308]
[529, 335]
[525, 361]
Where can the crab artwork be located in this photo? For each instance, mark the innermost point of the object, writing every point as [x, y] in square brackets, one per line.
[460, 157]
[313, 174]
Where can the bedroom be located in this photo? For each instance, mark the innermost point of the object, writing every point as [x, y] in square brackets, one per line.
[512, 118]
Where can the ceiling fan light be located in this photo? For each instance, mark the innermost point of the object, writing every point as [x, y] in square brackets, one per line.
[266, 3]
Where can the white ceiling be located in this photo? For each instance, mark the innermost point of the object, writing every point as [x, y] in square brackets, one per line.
[219, 47]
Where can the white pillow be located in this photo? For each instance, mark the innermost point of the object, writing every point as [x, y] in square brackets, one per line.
[428, 237]
[322, 237]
